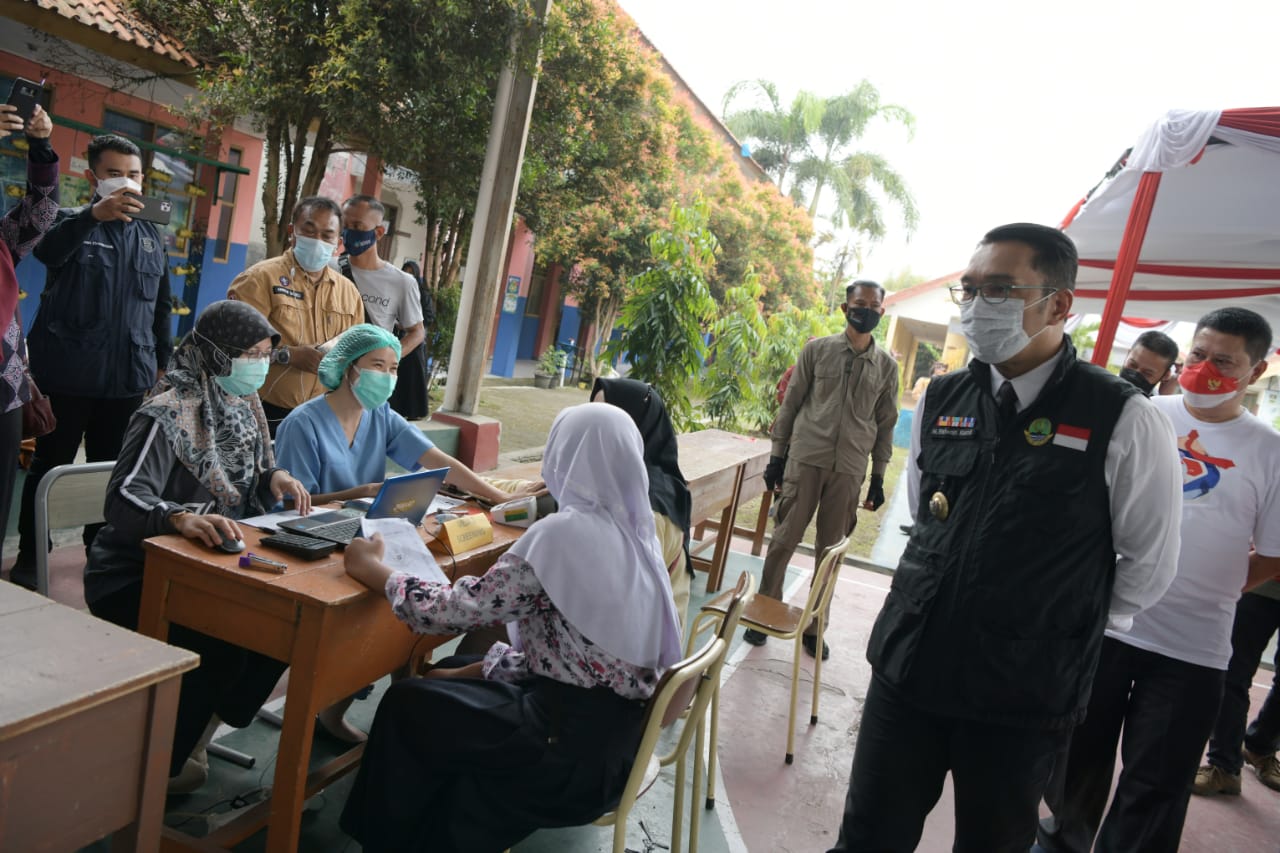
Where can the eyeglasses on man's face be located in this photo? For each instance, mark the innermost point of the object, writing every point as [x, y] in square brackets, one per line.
[257, 354]
[992, 294]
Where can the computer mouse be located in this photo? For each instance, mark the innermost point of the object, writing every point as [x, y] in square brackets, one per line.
[230, 546]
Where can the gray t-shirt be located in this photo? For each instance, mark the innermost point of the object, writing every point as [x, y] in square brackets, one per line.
[390, 296]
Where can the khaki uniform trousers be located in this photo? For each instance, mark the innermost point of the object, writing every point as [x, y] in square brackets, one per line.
[806, 489]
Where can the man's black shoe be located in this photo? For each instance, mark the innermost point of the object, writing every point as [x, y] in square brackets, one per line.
[810, 642]
[754, 637]
[23, 577]
[906, 528]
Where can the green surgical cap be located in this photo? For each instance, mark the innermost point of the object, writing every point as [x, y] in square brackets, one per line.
[354, 343]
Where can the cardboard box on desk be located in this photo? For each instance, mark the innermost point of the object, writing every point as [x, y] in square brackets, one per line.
[466, 533]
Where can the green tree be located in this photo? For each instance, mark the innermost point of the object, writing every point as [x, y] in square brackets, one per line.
[738, 335]
[786, 332]
[782, 134]
[811, 142]
[393, 77]
[664, 318]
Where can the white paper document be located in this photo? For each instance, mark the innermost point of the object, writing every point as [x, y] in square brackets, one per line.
[270, 521]
[405, 550]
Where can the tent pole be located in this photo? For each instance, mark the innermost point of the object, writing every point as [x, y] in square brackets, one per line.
[1135, 232]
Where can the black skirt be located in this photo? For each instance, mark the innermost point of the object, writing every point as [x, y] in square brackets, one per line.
[473, 766]
[410, 395]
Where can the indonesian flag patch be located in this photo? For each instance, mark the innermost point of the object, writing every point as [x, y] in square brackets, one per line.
[1076, 438]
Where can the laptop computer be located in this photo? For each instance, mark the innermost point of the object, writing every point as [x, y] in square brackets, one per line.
[407, 496]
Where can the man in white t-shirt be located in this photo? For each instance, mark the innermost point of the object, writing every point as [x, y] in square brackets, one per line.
[391, 297]
[1162, 680]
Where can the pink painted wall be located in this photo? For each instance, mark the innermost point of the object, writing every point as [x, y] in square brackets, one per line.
[84, 101]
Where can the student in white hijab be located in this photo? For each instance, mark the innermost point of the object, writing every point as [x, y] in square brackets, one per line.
[541, 731]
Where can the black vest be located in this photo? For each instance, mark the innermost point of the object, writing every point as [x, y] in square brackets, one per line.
[996, 610]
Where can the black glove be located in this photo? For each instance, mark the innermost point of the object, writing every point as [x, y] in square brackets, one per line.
[875, 491]
[773, 472]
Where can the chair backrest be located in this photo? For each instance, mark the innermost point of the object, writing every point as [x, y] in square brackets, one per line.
[742, 592]
[68, 496]
[824, 580]
[683, 685]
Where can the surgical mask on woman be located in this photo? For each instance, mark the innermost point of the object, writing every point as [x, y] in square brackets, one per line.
[995, 332]
[246, 377]
[373, 387]
[312, 254]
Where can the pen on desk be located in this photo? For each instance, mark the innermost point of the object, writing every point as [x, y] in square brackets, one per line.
[262, 564]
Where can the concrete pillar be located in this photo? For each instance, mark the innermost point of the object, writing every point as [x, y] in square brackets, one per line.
[371, 183]
[491, 233]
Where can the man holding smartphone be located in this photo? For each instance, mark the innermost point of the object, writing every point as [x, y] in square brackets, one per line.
[101, 334]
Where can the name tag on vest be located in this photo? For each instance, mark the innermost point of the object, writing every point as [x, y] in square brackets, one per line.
[953, 426]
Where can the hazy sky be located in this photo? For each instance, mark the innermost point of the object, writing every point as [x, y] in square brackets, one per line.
[1021, 107]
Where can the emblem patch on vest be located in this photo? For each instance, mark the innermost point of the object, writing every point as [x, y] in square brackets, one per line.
[148, 245]
[1039, 432]
[952, 426]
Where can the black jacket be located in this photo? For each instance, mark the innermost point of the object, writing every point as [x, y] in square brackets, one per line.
[996, 611]
[102, 329]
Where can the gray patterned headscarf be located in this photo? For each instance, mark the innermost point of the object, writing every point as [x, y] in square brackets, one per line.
[220, 438]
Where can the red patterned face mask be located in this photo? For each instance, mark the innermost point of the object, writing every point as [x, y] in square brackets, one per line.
[1204, 387]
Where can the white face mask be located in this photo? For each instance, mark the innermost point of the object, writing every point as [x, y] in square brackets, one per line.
[995, 332]
[107, 186]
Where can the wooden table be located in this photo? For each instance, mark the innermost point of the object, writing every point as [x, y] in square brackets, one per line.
[336, 635]
[720, 467]
[86, 727]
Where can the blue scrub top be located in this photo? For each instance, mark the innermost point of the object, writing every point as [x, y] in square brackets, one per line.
[311, 445]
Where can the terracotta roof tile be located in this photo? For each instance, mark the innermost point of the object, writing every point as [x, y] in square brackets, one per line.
[113, 18]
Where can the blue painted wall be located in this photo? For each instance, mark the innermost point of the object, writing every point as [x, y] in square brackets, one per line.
[528, 337]
[507, 340]
[570, 323]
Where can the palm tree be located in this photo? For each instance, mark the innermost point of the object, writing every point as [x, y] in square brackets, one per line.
[810, 142]
[781, 134]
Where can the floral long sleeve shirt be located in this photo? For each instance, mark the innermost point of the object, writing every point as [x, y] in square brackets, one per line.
[511, 592]
[20, 229]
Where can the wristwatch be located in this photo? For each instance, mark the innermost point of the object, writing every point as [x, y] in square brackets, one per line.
[280, 355]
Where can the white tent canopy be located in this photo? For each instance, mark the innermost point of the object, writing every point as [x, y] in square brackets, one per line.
[1205, 185]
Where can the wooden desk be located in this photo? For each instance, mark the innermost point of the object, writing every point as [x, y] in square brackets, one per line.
[717, 464]
[336, 635]
[86, 727]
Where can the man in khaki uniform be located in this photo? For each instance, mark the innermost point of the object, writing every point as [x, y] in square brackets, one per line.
[840, 408]
[305, 300]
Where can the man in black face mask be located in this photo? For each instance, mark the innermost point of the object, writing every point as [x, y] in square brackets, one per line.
[1150, 361]
[840, 407]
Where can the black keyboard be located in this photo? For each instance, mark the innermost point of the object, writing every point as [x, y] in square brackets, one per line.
[341, 532]
[307, 547]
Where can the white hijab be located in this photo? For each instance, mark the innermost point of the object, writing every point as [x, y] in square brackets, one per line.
[597, 557]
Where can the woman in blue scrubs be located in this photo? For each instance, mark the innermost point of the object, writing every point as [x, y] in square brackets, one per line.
[337, 445]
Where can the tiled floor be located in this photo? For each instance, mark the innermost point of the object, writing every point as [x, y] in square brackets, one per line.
[763, 804]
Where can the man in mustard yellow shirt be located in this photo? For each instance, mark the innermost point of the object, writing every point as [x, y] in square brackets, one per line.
[305, 300]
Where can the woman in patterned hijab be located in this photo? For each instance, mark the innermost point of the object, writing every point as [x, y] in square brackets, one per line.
[196, 458]
[217, 436]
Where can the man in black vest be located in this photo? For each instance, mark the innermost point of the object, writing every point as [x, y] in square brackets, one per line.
[102, 331]
[1045, 494]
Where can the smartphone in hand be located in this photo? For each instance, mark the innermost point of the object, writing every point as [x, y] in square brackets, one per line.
[155, 210]
[24, 95]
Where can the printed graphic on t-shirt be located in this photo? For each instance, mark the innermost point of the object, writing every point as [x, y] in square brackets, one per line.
[1201, 471]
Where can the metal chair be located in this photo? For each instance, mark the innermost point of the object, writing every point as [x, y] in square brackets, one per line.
[68, 496]
[686, 687]
[777, 619]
